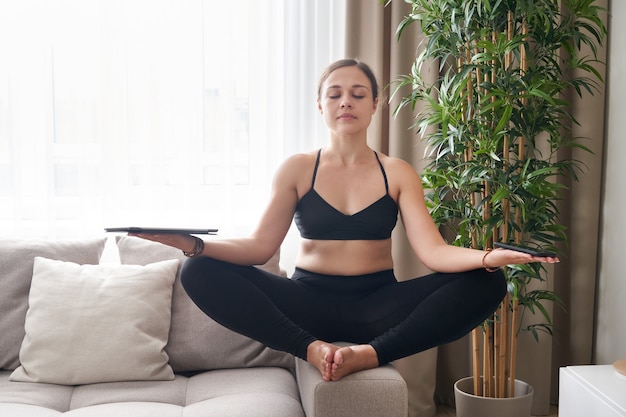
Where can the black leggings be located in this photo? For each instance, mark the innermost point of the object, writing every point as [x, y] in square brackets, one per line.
[396, 318]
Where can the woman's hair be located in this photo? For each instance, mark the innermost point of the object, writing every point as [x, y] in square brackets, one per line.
[349, 63]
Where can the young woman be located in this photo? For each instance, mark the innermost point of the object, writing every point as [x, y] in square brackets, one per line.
[345, 200]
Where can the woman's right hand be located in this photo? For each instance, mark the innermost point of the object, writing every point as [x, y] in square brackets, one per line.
[185, 243]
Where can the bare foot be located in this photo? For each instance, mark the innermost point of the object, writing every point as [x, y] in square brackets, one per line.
[321, 354]
[350, 359]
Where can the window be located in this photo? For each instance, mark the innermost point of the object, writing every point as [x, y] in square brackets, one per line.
[154, 112]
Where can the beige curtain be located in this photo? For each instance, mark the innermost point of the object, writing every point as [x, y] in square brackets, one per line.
[370, 36]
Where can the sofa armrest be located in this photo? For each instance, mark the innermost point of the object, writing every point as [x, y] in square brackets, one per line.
[371, 393]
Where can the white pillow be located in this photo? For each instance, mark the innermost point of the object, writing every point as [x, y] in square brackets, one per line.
[196, 342]
[97, 323]
[16, 271]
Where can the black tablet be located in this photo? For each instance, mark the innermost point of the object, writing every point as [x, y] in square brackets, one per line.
[539, 254]
[161, 230]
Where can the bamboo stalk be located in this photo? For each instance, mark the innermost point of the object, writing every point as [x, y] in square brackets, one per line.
[523, 56]
[488, 363]
[491, 342]
[470, 82]
[459, 66]
[476, 362]
[521, 141]
[515, 307]
[504, 326]
[509, 35]
[513, 362]
[502, 329]
[486, 391]
[494, 62]
[468, 156]
[487, 209]
[496, 355]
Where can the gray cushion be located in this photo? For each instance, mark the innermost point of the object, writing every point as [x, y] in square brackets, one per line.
[128, 410]
[259, 392]
[196, 342]
[47, 396]
[16, 270]
[26, 410]
[374, 392]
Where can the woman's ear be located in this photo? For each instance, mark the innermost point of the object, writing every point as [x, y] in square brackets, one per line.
[319, 106]
[375, 105]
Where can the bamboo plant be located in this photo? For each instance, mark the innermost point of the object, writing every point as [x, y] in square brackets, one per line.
[494, 123]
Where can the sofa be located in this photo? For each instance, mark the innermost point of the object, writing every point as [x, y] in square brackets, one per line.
[81, 337]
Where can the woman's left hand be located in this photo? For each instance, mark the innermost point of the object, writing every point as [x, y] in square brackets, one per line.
[500, 257]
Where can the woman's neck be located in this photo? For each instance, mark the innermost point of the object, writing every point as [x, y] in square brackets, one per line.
[348, 149]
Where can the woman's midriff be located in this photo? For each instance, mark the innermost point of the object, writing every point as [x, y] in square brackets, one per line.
[345, 257]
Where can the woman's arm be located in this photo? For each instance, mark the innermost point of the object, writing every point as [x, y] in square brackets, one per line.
[270, 232]
[425, 238]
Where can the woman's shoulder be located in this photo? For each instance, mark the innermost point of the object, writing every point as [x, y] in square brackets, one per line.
[401, 174]
[303, 156]
[296, 166]
[299, 161]
[397, 164]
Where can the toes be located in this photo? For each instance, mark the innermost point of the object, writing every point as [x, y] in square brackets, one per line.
[338, 357]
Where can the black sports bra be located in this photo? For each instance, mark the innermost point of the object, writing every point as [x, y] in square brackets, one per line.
[318, 220]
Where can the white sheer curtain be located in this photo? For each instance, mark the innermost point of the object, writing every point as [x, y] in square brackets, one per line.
[154, 112]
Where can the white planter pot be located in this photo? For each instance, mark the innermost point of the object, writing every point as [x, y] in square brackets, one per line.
[470, 405]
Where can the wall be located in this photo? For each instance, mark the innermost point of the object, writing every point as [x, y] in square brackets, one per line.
[610, 338]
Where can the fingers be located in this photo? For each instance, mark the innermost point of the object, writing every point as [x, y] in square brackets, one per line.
[548, 260]
[148, 236]
[511, 257]
[178, 241]
[541, 259]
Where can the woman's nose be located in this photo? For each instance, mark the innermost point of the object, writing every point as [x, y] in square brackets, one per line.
[346, 104]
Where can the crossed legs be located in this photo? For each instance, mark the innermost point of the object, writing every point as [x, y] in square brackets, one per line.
[386, 319]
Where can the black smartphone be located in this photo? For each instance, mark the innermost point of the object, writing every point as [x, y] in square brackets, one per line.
[162, 230]
[537, 253]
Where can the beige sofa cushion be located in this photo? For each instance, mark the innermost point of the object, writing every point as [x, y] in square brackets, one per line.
[196, 342]
[17, 257]
[373, 392]
[97, 323]
[258, 392]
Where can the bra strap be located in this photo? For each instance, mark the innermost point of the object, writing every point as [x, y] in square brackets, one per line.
[317, 163]
[383, 171]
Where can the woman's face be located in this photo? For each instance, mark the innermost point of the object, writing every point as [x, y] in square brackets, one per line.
[346, 101]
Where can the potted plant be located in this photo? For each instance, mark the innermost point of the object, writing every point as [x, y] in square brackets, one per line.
[494, 123]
